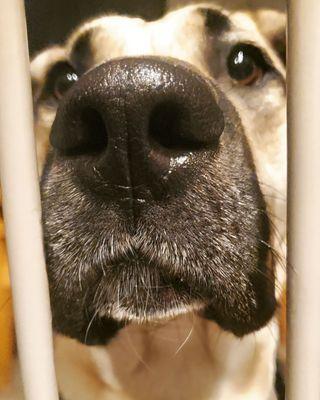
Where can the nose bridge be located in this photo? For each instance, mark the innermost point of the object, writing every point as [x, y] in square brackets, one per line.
[138, 41]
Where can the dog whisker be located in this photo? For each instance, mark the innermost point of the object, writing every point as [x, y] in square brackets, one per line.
[136, 353]
[79, 276]
[89, 326]
[188, 337]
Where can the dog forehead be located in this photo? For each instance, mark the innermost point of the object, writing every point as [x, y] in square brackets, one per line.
[181, 33]
[115, 36]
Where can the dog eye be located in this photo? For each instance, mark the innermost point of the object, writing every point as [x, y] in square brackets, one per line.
[64, 82]
[60, 79]
[246, 64]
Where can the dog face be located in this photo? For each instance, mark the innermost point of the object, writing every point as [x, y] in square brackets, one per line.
[167, 146]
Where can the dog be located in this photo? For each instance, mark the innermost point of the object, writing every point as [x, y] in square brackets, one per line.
[162, 147]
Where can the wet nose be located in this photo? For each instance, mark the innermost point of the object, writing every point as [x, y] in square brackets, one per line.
[132, 117]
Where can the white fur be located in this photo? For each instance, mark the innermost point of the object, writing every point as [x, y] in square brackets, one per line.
[187, 359]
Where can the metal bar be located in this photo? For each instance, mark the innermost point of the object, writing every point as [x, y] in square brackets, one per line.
[303, 380]
[22, 210]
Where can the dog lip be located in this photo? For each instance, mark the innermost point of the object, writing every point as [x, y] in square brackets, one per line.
[171, 297]
[149, 291]
[160, 315]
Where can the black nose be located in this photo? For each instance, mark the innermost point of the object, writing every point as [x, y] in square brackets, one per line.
[135, 115]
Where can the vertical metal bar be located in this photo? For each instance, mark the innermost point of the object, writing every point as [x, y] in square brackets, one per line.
[303, 379]
[22, 211]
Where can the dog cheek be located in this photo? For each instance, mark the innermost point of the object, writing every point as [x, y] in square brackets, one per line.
[74, 309]
[72, 319]
[250, 311]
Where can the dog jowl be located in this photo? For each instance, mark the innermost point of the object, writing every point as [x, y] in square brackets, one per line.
[165, 148]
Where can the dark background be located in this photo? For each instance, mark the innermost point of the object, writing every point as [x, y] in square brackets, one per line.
[50, 21]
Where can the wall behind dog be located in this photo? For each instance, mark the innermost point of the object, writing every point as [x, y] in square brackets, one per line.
[50, 21]
[235, 4]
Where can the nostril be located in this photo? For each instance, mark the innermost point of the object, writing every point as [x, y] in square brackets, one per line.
[94, 130]
[170, 126]
[83, 132]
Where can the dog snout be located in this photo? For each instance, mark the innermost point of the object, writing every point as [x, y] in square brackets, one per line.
[135, 116]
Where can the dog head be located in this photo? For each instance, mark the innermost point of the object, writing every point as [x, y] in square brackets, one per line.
[167, 144]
